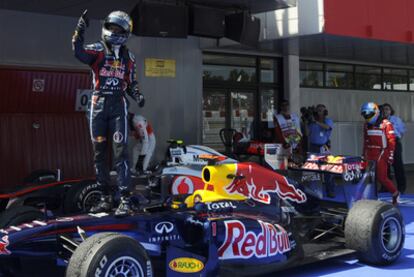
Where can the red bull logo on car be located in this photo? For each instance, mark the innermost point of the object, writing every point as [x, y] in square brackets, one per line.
[242, 244]
[258, 182]
[4, 242]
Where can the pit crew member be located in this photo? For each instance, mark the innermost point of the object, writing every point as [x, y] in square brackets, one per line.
[287, 128]
[145, 142]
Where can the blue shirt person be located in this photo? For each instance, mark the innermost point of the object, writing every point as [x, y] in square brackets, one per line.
[320, 130]
[399, 126]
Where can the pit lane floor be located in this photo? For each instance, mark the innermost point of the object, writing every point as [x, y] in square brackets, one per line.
[344, 266]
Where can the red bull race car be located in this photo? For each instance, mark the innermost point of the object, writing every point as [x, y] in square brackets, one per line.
[246, 220]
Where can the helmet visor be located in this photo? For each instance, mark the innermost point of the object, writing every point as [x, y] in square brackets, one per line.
[368, 115]
[115, 28]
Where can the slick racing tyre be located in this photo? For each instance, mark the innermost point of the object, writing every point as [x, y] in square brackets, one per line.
[18, 215]
[82, 197]
[375, 230]
[109, 254]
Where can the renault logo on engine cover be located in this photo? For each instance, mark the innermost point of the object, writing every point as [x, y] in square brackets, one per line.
[164, 227]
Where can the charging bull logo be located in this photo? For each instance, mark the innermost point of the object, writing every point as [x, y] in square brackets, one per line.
[258, 182]
[4, 242]
[242, 244]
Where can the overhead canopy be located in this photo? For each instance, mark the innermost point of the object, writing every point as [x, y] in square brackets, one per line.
[100, 8]
[254, 6]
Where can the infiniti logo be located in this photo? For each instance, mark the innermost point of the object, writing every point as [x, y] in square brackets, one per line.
[164, 227]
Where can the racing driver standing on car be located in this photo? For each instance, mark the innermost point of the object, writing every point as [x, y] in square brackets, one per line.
[379, 145]
[113, 69]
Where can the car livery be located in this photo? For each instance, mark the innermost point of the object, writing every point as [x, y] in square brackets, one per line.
[247, 220]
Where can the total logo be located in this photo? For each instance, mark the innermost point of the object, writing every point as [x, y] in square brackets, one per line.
[186, 265]
[164, 229]
[242, 244]
[220, 205]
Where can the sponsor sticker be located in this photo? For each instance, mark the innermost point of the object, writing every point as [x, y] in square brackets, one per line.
[118, 137]
[176, 152]
[220, 205]
[352, 172]
[182, 185]
[164, 227]
[186, 265]
[240, 243]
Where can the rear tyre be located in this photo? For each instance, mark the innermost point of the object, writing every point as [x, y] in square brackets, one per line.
[18, 215]
[82, 197]
[109, 254]
[375, 230]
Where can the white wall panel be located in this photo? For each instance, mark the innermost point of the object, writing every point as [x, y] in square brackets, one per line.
[305, 19]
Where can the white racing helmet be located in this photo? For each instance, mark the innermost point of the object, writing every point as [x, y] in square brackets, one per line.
[120, 19]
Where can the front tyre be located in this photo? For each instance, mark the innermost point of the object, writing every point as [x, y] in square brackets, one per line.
[376, 231]
[109, 254]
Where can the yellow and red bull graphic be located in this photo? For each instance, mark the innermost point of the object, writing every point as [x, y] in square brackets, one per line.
[240, 243]
[248, 180]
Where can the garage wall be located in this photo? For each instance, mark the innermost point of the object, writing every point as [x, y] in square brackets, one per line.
[344, 109]
[173, 104]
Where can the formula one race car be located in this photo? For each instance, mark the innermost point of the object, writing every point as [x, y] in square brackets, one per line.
[247, 220]
[44, 194]
[181, 173]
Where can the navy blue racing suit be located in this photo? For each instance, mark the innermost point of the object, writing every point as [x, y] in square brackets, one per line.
[113, 76]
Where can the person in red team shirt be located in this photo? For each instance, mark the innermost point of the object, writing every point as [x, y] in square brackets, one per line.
[379, 145]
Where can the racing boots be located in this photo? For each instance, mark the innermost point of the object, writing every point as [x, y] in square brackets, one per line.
[105, 204]
[125, 207]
